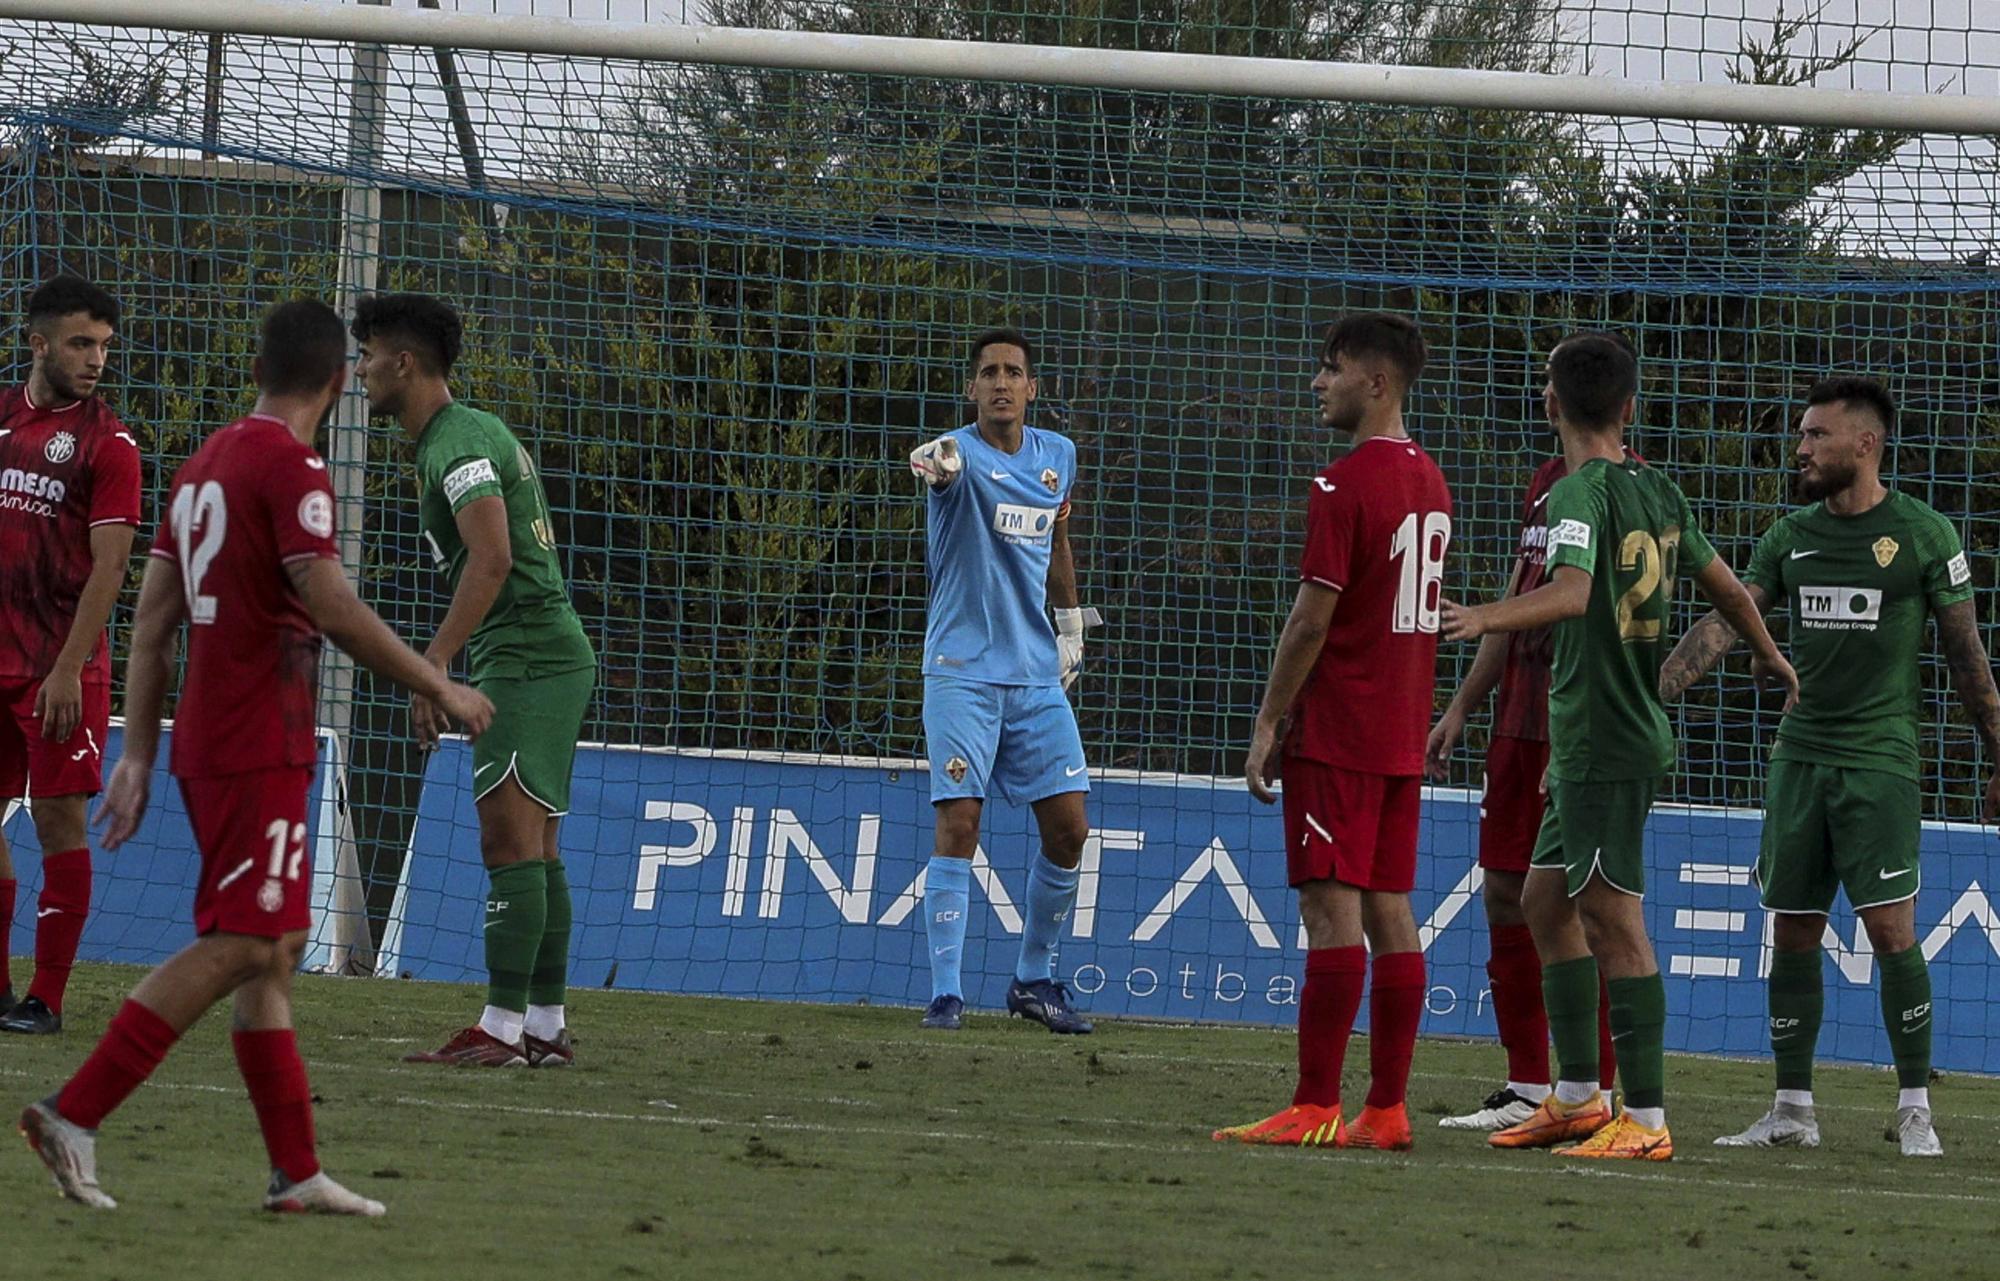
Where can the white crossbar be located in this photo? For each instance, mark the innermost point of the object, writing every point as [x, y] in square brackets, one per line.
[1037, 64]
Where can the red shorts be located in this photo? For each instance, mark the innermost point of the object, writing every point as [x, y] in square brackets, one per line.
[1358, 829]
[1510, 813]
[30, 765]
[256, 869]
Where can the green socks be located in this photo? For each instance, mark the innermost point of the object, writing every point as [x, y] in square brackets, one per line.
[1906, 1014]
[1639, 1037]
[516, 919]
[1798, 1004]
[550, 978]
[1569, 994]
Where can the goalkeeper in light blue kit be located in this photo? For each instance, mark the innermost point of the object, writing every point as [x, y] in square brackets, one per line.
[996, 720]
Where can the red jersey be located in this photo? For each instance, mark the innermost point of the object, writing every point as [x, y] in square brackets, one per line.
[62, 472]
[1522, 709]
[1377, 525]
[251, 501]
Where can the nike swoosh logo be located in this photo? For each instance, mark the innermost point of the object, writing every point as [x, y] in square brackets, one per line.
[997, 474]
[946, 951]
[1539, 501]
[1072, 773]
[1619, 1036]
[1798, 555]
[47, 911]
[1890, 876]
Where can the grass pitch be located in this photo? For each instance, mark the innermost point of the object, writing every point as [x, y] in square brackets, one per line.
[729, 1139]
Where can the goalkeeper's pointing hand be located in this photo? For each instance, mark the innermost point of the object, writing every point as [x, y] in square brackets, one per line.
[937, 463]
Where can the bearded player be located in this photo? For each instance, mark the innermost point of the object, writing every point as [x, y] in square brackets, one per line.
[1618, 533]
[246, 557]
[483, 513]
[1356, 668]
[69, 504]
[1510, 816]
[1860, 570]
[996, 720]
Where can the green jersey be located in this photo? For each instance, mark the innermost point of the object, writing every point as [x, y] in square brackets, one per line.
[1859, 589]
[465, 455]
[1628, 527]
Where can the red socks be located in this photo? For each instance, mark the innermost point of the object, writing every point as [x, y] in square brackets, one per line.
[139, 1039]
[1396, 1006]
[1515, 975]
[7, 889]
[64, 904]
[132, 1047]
[1327, 1006]
[271, 1067]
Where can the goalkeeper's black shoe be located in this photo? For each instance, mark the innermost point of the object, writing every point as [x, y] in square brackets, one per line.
[32, 1018]
[1047, 1003]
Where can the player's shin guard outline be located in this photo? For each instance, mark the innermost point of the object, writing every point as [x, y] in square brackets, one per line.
[947, 898]
[1051, 897]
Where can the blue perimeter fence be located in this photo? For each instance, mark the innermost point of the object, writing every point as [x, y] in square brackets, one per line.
[800, 878]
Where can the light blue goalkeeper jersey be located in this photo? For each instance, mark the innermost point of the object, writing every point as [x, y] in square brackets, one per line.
[990, 535]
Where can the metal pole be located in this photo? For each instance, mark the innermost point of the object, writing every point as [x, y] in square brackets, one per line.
[347, 434]
[211, 97]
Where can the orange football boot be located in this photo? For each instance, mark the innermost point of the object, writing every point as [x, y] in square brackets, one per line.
[1384, 1128]
[1625, 1140]
[1554, 1123]
[1303, 1125]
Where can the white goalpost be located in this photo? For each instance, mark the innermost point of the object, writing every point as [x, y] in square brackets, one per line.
[1039, 64]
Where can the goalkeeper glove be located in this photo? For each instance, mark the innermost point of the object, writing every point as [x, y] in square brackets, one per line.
[936, 464]
[1070, 624]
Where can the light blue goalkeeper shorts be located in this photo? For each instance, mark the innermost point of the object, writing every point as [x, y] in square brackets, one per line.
[1013, 742]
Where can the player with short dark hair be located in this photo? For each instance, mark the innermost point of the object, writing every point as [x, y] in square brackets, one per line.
[486, 520]
[996, 720]
[1860, 569]
[1618, 531]
[426, 330]
[1354, 675]
[1510, 818]
[246, 557]
[69, 508]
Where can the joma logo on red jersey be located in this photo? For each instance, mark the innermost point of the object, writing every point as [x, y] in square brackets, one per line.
[32, 484]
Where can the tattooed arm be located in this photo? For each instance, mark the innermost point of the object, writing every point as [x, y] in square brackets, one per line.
[1972, 677]
[1702, 648]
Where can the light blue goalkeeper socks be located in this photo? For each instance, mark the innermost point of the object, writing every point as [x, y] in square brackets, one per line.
[1051, 896]
[947, 897]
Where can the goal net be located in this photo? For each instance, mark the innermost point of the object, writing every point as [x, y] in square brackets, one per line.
[719, 303]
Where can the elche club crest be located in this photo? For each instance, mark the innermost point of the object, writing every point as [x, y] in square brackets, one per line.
[61, 448]
[316, 514]
[1885, 550]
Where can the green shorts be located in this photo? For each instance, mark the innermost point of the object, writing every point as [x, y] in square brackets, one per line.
[1597, 827]
[536, 722]
[1828, 827]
